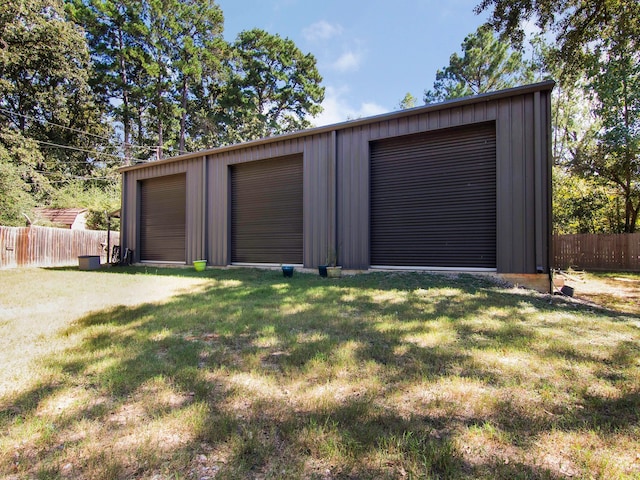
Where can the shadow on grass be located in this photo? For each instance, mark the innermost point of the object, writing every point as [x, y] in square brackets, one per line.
[240, 358]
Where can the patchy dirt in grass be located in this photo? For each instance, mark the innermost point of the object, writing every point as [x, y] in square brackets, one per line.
[619, 292]
[36, 303]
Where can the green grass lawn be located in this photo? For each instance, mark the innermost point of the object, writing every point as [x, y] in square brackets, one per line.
[242, 373]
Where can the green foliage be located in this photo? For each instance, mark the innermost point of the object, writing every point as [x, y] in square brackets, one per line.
[48, 118]
[14, 193]
[157, 72]
[575, 23]
[44, 91]
[409, 101]
[117, 35]
[581, 205]
[22, 184]
[486, 64]
[178, 86]
[615, 79]
[272, 88]
[99, 198]
[596, 50]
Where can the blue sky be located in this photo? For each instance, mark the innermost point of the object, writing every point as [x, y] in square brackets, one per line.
[369, 53]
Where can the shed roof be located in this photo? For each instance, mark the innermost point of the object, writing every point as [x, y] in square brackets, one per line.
[458, 102]
[63, 216]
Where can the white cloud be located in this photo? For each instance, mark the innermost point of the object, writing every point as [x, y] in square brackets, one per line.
[338, 109]
[369, 109]
[321, 31]
[348, 62]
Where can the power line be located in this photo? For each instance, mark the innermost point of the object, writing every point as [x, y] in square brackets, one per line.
[71, 176]
[84, 177]
[9, 112]
[77, 177]
[69, 147]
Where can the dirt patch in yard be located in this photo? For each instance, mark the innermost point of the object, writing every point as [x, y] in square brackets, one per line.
[36, 303]
[614, 291]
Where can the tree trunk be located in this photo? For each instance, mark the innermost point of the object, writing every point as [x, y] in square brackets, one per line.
[183, 115]
[634, 219]
[126, 120]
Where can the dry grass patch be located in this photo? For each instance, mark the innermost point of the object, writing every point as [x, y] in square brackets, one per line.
[35, 304]
[244, 375]
[618, 291]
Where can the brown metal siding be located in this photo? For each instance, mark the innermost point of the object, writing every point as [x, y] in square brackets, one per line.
[353, 171]
[319, 198]
[336, 180]
[353, 198]
[319, 192]
[217, 214]
[267, 211]
[517, 199]
[163, 219]
[194, 221]
[433, 199]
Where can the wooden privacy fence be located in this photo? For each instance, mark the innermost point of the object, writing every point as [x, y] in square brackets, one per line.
[50, 247]
[620, 252]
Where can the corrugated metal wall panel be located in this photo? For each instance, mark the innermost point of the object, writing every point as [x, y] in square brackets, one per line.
[516, 185]
[522, 246]
[528, 155]
[218, 194]
[433, 199]
[267, 211]
[516, 198]
[217, 210]
[192, 168]
[543, 143]
[353, 174]
[353, 198]
[505, 192]
[319, 198]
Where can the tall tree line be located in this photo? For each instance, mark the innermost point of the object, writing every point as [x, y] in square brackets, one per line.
[591, 48]
[169, 80]
[87, 86]
[45, 101]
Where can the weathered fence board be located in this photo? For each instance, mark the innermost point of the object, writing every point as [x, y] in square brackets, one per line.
[619, 252]
[50, 247]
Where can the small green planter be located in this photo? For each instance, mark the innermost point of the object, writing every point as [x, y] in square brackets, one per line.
[200, 265]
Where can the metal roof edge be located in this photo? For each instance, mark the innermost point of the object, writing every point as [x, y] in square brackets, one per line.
[546, 85]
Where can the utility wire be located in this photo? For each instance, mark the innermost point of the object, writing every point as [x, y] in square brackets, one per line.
[83, 177]
[95, 152]
[69, 147]
[51, 182]
[9, 112]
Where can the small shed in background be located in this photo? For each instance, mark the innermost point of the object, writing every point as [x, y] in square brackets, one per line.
[73, 218]
[460, 185]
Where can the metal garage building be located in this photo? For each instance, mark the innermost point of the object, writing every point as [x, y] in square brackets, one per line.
[463, 185]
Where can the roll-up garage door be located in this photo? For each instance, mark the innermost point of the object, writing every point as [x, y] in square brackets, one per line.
[266, 211]
[433, 199]
[162, 219]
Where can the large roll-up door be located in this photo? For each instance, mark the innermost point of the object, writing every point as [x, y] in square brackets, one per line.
[162, 219]
[433, 199]
[266, 211]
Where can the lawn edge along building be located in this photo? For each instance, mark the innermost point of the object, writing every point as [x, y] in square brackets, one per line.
[462, 185]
